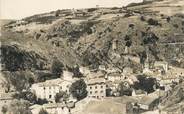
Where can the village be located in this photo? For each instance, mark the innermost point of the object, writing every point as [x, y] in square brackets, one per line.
[63, 95]
[126, 71]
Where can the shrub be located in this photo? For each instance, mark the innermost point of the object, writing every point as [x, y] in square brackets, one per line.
[153, 22]
[142, 18]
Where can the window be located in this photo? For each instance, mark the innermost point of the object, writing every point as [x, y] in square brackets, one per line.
[96, 91]
[101, 86]
[101, 91]
[90, 92]
[44, 88]
[95, 87]
[49, 87]
[90, 87]
[50, 96]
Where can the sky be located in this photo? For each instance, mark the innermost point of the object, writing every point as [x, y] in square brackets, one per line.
[17, 9]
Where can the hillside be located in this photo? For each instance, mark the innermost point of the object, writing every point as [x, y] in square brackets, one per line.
[173, 100]
[95, 36]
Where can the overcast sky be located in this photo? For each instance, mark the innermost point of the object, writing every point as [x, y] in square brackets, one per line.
[17, 9]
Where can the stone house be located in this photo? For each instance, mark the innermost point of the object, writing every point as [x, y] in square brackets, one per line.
[148, 102]
[96, 88]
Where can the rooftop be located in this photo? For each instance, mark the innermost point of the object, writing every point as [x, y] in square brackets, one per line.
[53, 82]
[98, 74]
[147, 100]
[96, 81]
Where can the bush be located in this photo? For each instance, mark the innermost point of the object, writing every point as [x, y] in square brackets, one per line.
[4, 109]
[92, 9]
[19, 107]
[153, 22]
[142, 18]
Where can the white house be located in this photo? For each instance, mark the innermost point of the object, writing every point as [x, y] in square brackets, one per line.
[48, 89]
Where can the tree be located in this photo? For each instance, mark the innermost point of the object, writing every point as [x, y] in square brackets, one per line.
[78, 89]
[124, 89]
[143, 57]
[145, 83]
[57, 13]
[41, 101]
[43, 111]
[29, 96]
[20, 107]
[57, 68]
[129, 108]
[61, 96]
[19, 80]
[4, 109]
[77, 72]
